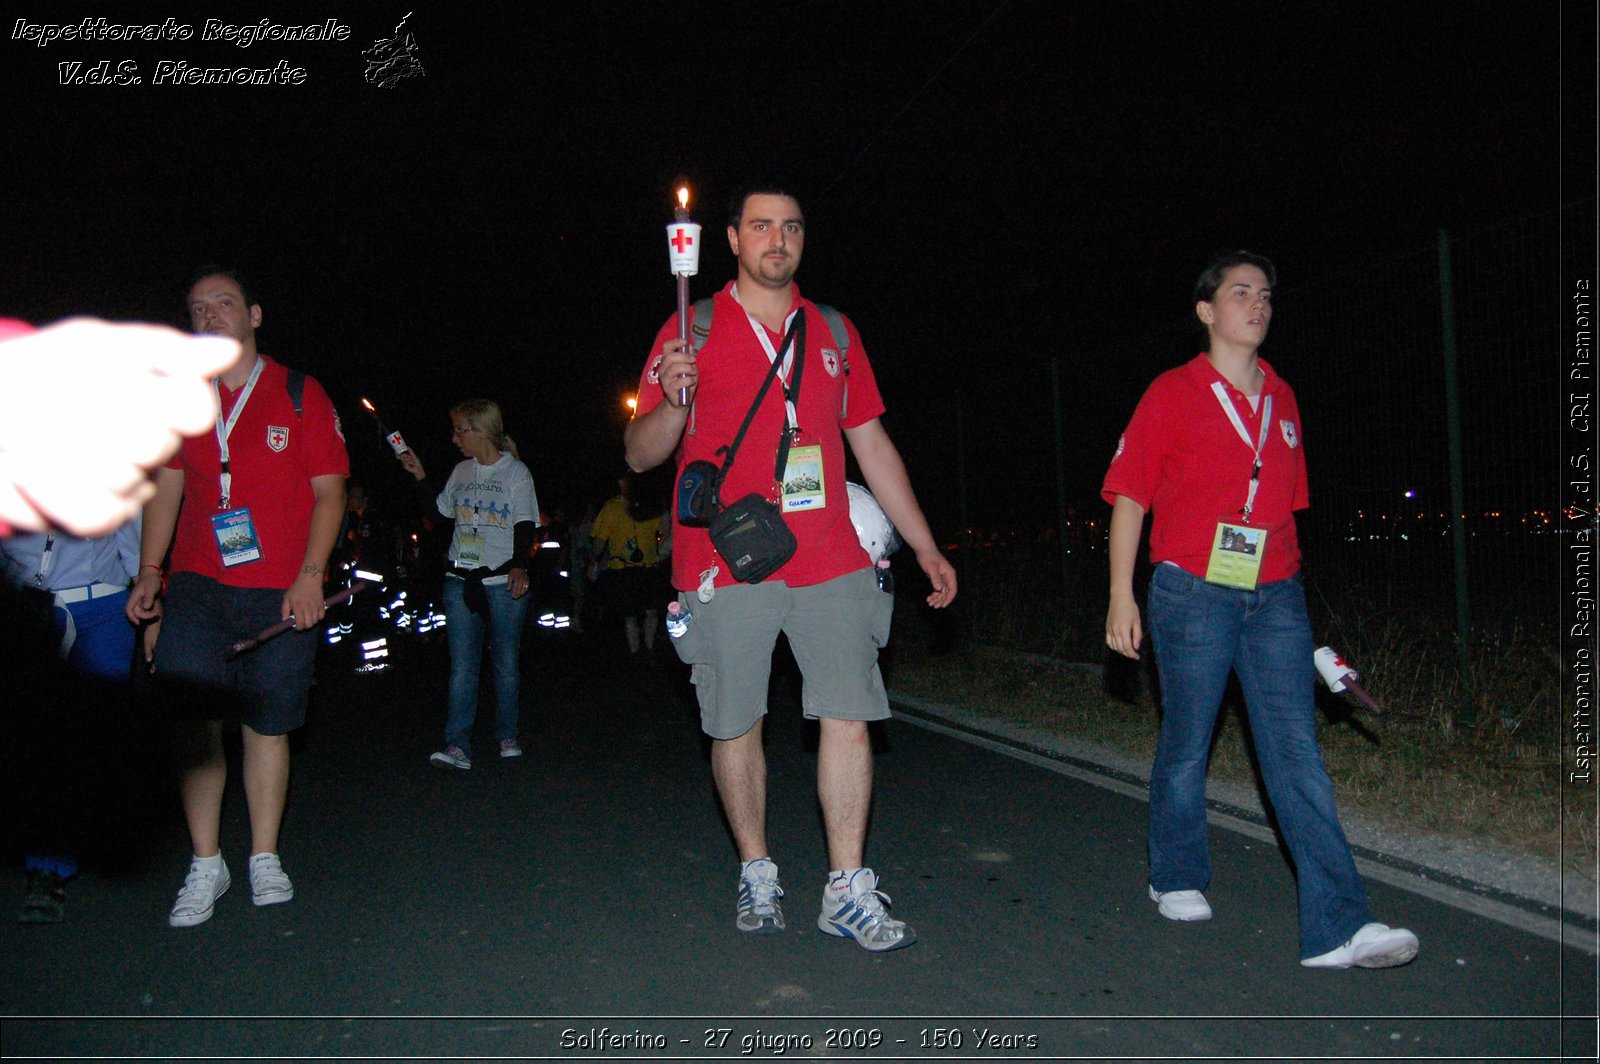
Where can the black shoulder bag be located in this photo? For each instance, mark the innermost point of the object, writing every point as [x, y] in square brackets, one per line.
[750, 533]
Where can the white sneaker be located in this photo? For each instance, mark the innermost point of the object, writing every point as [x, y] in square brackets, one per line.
[199, 893]
[1186, 906]
[269, 885]
[1374, 946]
[857, 912]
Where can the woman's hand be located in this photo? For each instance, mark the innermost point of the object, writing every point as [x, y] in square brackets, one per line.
[1123, 630]
[413, 464]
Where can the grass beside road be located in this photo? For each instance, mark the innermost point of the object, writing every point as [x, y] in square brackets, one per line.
[1406, 774]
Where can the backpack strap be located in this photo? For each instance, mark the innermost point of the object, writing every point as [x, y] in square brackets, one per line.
[841, 336]
[296, 386]
[700, 323]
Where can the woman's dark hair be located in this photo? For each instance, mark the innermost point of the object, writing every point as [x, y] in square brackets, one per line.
[1205, 289]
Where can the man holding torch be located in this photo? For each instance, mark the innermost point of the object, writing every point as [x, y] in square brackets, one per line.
[825, 597]
[251, 511]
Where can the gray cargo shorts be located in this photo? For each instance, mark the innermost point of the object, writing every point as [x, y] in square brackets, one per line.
[835, 630]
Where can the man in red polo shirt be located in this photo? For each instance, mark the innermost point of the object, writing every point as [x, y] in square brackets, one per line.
[825, 598]
[251, 511]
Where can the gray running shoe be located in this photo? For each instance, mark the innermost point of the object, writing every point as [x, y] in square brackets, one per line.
[759, 912]
[451, 756]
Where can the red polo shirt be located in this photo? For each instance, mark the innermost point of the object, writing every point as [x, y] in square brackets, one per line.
[273, 454]
[10, 329]
[732, 365]
[1182, 460]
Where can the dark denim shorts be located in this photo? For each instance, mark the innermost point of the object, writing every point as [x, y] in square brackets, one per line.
[265, 688]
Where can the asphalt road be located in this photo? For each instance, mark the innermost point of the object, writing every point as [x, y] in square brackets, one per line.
[579, 903]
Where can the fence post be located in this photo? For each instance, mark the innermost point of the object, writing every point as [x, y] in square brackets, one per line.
[965, 541]
[1061, 484]
[1458, 529]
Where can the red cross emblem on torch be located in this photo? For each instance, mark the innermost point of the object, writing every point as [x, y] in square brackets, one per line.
[681, 241]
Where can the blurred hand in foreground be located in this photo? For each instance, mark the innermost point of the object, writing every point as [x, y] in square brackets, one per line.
[87, 407]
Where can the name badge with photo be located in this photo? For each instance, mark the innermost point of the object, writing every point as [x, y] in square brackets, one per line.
[469, 550]
[1236, 553]
[803, 488]
[236, 537]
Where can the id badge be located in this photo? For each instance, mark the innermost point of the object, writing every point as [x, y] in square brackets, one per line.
[236, 537]
[1236, 553]
[803, 488]
[469, 550]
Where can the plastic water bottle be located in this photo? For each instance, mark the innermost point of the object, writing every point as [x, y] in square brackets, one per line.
[885, 576]
[678, 620]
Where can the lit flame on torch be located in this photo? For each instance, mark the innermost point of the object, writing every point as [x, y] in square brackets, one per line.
[683, 197]
[394, 439]
[382, 428]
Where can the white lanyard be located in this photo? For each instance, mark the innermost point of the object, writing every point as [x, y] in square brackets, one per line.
[772, 356]
[225, 428]
[1220, 390]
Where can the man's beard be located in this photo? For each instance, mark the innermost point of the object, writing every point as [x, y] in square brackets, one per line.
[776, 272]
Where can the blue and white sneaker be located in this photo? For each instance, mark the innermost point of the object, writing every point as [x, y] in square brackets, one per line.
[759, 911]
[853, 908]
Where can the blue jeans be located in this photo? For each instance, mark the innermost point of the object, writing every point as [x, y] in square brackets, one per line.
[1202, 632]
[503, 623]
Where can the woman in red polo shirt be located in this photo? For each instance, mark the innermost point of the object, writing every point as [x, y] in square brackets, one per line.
[1214, 454]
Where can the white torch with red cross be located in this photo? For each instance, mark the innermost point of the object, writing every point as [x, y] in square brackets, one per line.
[1340, 676]
[683, 254]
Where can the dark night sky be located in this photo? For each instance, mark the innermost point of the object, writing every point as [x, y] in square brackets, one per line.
[986, 185]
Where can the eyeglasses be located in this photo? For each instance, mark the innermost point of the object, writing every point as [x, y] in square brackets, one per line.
[457, 430]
